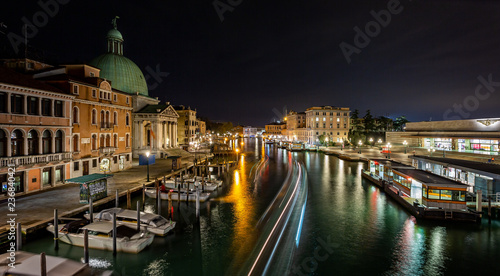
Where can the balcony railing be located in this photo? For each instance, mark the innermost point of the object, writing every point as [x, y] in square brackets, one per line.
[107, 150]
[107, 125]
[35, 159]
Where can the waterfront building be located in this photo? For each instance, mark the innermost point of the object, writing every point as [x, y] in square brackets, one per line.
[414, 185]
[274, 130]
[468, 137]
[202, 127]
[101, 118]
[35, 132]
[296, 126]
[186, 125]
[327, 121]
[155, 131]
[477, 175]
[249, 132]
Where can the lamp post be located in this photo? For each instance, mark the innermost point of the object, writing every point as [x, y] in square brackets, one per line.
[147, 156]
[431, 150]
[406, 144]
[371, 141]
[341, 144]
[389, 146]
[360, 143]
[326, 140]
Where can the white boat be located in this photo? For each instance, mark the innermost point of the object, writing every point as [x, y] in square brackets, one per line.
[151, 192]
[153, 223]
[218, 182]
[101, 236]
[28, 264]
[192, 185]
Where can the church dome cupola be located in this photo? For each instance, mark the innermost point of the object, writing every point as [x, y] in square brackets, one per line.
[115, 39]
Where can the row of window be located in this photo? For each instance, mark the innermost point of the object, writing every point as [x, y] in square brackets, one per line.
[104, 118]
[17, 143]
[34, 105]
[104, 95]
[331, 125]
[104, 141]
[330, 113]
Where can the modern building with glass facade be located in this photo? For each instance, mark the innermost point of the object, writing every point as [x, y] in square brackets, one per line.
[472, 136]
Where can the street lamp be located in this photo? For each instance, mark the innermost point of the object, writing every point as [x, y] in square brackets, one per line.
[389, 146]
[147, 156]
[360, 143]
[379, 142]
[406, 144]
[326, 140]
[431, 150]
[371, 141]
[341, 144]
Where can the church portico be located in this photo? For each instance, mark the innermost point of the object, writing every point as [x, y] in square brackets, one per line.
[155, 128]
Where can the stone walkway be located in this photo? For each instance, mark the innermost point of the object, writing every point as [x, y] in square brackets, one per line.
[31, 209]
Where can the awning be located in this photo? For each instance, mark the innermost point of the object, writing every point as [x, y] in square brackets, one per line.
[88, 178]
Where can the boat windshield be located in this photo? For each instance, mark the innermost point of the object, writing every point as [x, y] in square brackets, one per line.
[74, 226]
[159, 221]
[123, 231]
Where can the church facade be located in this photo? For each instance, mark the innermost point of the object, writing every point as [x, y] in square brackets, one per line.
[154, 126]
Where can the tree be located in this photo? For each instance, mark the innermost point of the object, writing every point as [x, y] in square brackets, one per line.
[369, 122]
[399, 123]
[385, 124]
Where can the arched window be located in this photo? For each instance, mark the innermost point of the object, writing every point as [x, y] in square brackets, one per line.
[59, 141]
[127, 120]
[115, 118]
[32, 142]
[127, 140]
[102, 118]
[115, 140]
[17, 143]
[94, 141]
[76, 115]
[3, 143]
[46, 142]
[101, 142]
[107, 119]
[108, 140]
[76, 143]
[94, 117]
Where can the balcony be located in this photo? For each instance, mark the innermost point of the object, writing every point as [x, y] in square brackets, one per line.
[107, 126]
[107, 150]
[35, 159]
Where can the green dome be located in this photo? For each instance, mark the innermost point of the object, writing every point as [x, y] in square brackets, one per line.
[123, 73]
[114, 33]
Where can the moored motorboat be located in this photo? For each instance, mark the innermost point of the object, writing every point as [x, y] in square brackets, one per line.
[153, 223]
[101, 236]
[175, 195]
[192, 185]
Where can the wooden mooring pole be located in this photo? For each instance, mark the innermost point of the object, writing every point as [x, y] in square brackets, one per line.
[56, 230]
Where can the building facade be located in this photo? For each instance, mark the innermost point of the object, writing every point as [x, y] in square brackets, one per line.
[35, 133]
[101, 119]
[472, 136]
[154, 126]
[329, 122]
[296, 126]
[274, 130]
[186, 129]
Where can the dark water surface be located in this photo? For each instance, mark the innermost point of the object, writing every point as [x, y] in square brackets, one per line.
[350, 228]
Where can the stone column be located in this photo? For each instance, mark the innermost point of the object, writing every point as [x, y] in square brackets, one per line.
[53, 176]
[40, 143]
[53, 143]
[25, 104]
[52, 113]
[9, 103]
[9, 143]
[175, 135]
[170, 136]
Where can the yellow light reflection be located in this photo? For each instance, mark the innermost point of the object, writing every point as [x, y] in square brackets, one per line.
[243, 203]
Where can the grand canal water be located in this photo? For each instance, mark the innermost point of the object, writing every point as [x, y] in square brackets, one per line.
[350, 228]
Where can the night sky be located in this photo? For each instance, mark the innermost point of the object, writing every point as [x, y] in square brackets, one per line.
[266, 55]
